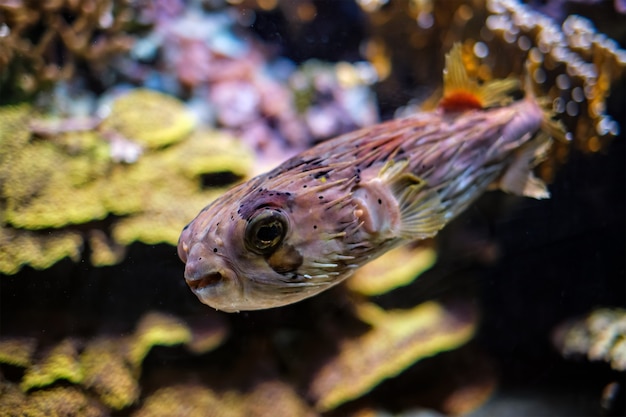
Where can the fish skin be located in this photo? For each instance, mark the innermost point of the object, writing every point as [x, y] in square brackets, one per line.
[348, 200]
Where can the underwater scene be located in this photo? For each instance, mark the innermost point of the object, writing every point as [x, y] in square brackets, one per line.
[360, 208]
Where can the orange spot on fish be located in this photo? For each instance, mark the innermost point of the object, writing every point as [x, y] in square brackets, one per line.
[457, 101]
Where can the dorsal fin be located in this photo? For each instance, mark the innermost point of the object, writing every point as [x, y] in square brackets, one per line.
[462, 93]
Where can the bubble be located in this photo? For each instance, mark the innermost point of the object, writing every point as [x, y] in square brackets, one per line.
[563, 82]
[4, 30]
[371, 5]
[539, 76]
[481, 50]
[605, 126]
[578, 95]
[524, 43]
[425, 20]
[535, 55]
[510, 37]
[571, 108]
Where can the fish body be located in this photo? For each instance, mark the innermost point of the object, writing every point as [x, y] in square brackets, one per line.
[311, 222]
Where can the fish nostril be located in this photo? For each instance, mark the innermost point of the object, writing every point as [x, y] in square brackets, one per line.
[205, 281]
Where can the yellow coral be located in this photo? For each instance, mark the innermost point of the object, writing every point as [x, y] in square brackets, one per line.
[208, 332]
[185, 400]
[76, 182]
[156, 329]
[17, 351]
[61, 190]
[61, 402]
[377, 277]
[60, 363]
[397, 339]
[269, 398]
[54, 402]
[14, 131]
[39, 250]
[209, 151]
[108, 375]
[161, 219]
[104, 252]
[149, 118]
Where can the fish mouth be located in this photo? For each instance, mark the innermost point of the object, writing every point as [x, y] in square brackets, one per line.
[204, 281]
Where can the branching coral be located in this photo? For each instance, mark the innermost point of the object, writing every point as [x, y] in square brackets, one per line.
[43, 42]
[571, 65]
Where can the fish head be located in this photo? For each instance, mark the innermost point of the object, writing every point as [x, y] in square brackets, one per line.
[257, 248]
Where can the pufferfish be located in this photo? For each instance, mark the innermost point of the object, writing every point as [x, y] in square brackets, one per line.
[311, 222]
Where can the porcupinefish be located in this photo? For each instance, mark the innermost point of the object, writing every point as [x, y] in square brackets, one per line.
[308, 224]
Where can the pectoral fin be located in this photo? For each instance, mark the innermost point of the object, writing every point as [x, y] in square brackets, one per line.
[421, 212]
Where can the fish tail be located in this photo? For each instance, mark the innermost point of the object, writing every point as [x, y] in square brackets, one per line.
[519, 178]
[549, 124]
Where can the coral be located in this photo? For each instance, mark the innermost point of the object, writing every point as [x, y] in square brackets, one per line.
[272, 397]
[14, 131]
[376, 278]
[204, 154]
[60, 363]
[140, 166]
[576, 63]
[601, 336]
[156, 329]
[108, 375]
[54, 402]
[78, 181]
[275, 397]
[104, 251]
[43, 43]
[236, 83]
[17, 351]
[40, 250]
[61, 191]
[397, 339]
[109, 367]
[571, 65]
[188, 401]
[207, 333]
[64, 402]
[149, 118]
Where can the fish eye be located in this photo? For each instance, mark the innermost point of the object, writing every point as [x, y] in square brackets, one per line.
[265, 231]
